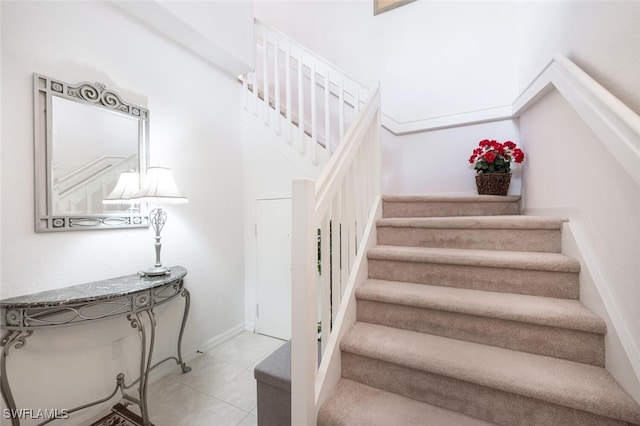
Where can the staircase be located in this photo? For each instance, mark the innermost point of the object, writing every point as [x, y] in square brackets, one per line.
[470, 316]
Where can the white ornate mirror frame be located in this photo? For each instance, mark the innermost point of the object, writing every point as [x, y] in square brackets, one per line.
[48, 215]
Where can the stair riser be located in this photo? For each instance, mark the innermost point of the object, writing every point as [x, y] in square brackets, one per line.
[474, 400]
[423, 209]
[563, 343]
[370, 406]
[520, 281]
[540, 240]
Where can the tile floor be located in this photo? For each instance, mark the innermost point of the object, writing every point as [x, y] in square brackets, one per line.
[219, 390]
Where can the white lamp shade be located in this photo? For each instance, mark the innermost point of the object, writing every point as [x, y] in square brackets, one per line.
[127, 186]
[159, 187]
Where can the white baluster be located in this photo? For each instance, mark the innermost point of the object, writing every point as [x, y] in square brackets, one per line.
[327, 115]
[344, 234]
[245, 91]
[287, 73]
[335, 255]
[265, 77]
[89, 200]
[314, 114]
[301, 103]
[341, 108]
[255, 93]
[276, 83]
[325, 278]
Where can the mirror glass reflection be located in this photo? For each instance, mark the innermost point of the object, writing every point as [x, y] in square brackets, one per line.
[91, 147]
[86, 137]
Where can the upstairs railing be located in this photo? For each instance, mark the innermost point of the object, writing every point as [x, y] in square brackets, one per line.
[300, 95]
[84, 189]
[329, 217]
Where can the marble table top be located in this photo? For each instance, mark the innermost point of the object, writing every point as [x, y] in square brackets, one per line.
[100, 290]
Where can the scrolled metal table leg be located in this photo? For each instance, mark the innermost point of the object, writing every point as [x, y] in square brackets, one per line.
[10, 339]
[145, 359]
[187, 305]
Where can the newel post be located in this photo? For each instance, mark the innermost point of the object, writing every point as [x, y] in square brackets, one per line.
[304, 303]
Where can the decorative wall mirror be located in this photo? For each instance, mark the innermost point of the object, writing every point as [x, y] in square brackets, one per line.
[85, 136]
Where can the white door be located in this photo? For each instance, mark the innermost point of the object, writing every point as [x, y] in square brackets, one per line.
[273, 241]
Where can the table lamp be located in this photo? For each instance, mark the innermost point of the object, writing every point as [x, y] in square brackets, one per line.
[127, 186]
[159, 187]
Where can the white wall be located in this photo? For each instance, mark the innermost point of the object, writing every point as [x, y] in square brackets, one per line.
[193, 130]
[228, 24]
[570, 173]
[431, 58]
[601, 37]
[436, 162]
[220, 32]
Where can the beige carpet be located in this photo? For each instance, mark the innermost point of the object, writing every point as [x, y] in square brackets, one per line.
[471, 317]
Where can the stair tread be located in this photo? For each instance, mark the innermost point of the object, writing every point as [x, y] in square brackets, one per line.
[565, 313]
[555, 262]
[450, 198]
[576, 385]
[354, 403]
[475, 222]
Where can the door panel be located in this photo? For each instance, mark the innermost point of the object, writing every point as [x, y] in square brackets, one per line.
[273, 252]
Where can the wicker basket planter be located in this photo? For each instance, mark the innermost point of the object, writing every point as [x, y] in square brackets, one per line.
[493, 183]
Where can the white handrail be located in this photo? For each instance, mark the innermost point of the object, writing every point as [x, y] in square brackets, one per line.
[615, 124]
[329, 218]
[87, 171]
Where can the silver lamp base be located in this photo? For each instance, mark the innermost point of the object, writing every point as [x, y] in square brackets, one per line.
[155, 272]
[157, 218]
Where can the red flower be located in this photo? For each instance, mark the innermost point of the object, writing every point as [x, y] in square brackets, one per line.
[498, 147]
[489, 156]
[492, 156]
[518, 155]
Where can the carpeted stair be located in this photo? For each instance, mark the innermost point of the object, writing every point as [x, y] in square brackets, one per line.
[471, 316]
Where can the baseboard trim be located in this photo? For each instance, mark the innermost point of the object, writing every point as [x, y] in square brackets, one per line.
[217, 340]
[585, 237]
[467, 118]
[581, 234]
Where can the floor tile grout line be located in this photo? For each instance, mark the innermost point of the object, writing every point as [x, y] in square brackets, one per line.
[253, 346]
[238, 364]
[245, 418]
[218, 398]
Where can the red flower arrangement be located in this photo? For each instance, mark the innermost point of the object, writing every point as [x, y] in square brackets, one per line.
[492, 156]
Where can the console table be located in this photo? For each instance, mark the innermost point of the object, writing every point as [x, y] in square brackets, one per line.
[133, 295]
